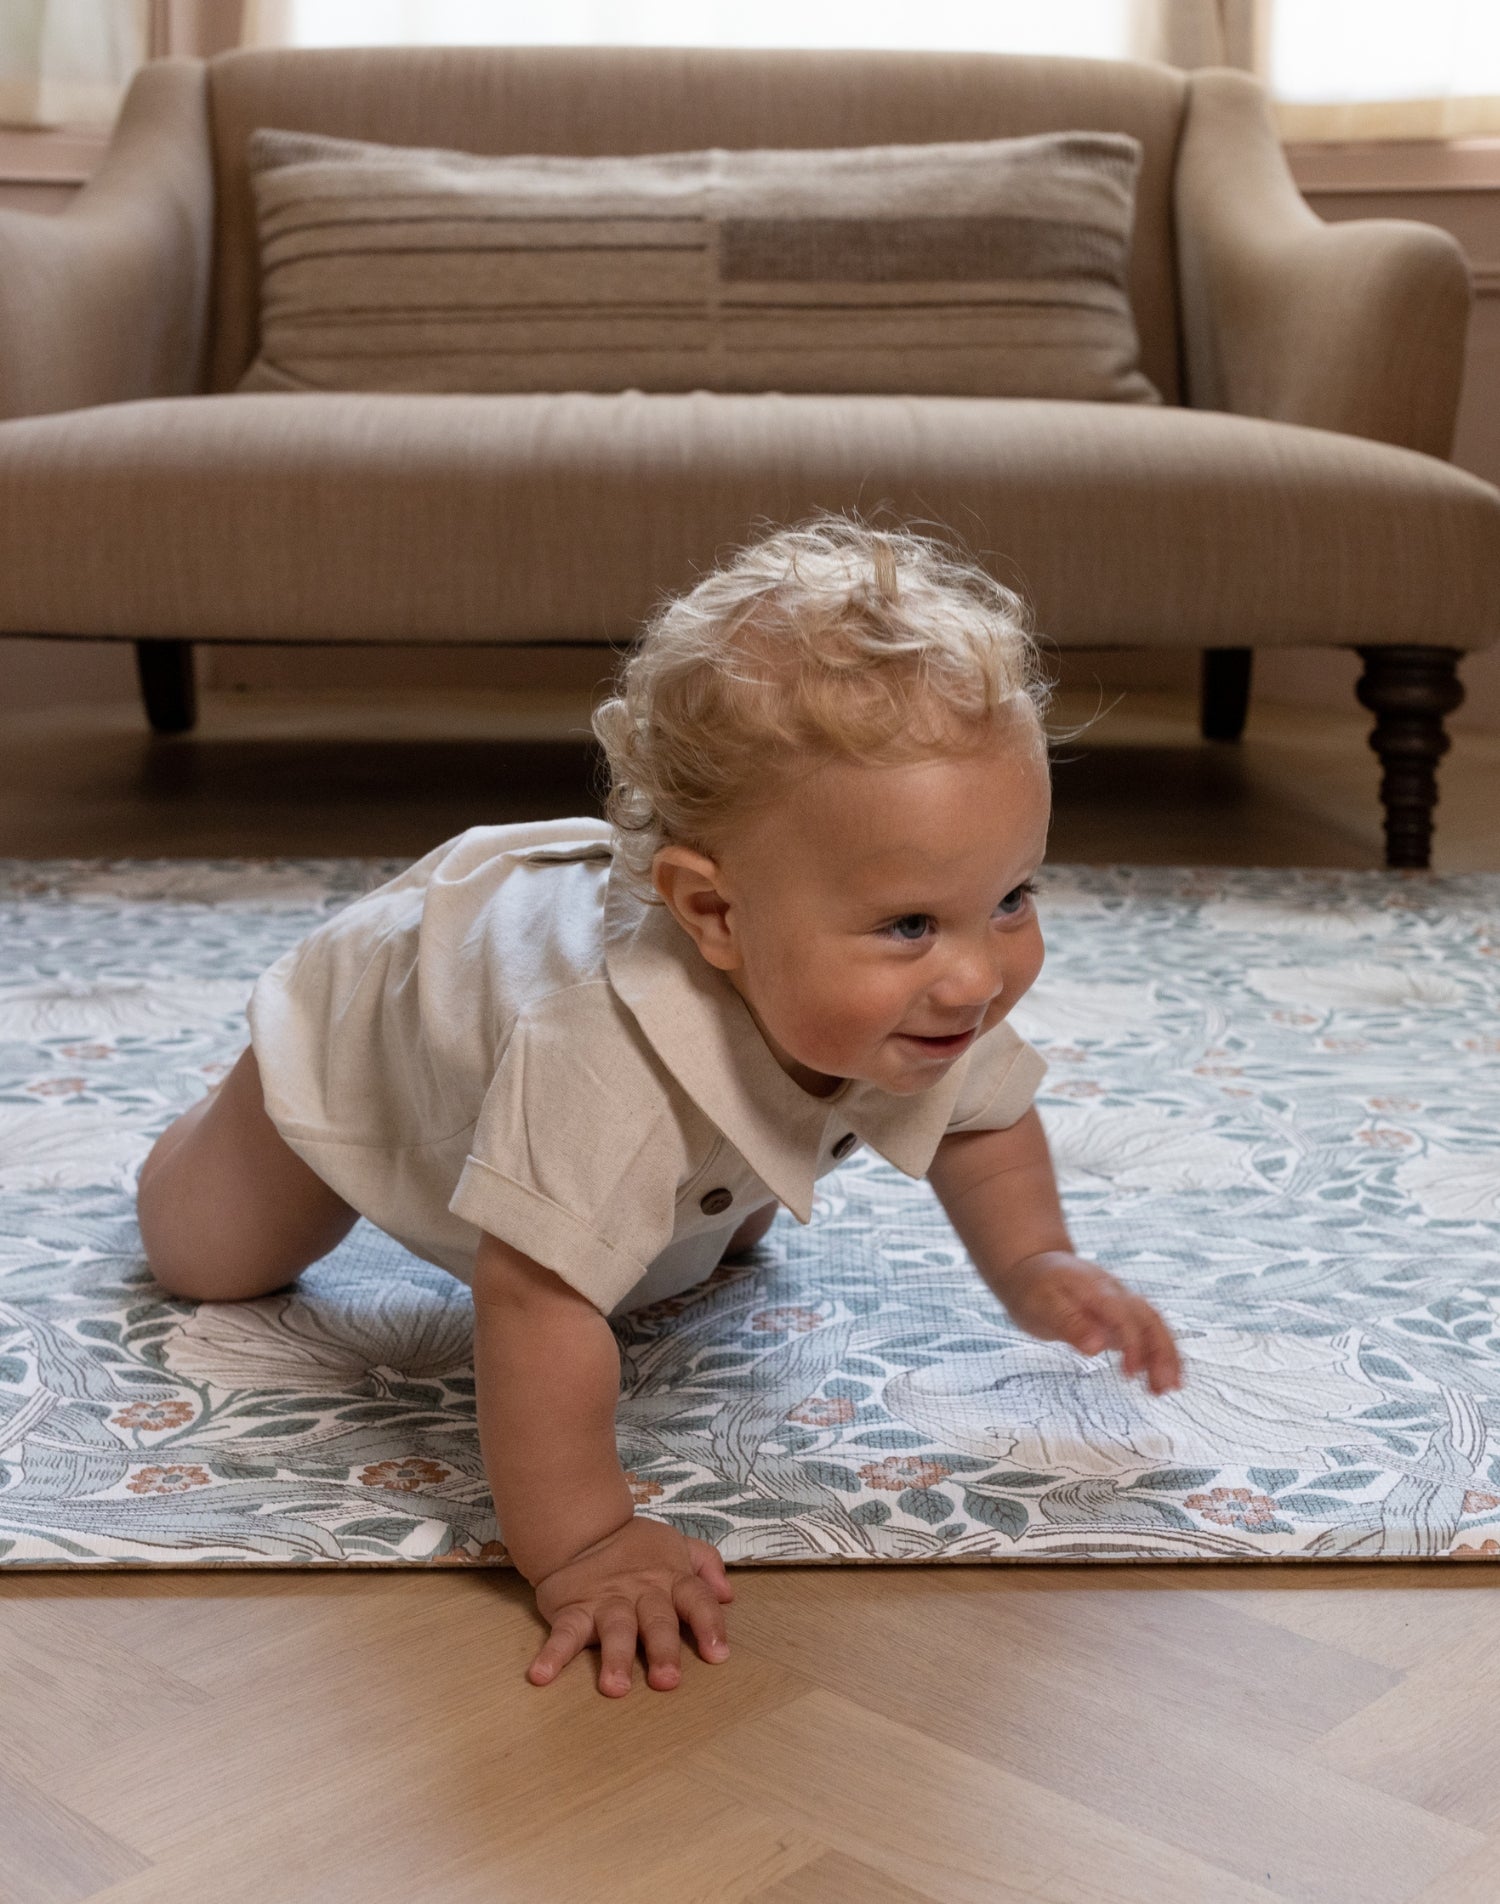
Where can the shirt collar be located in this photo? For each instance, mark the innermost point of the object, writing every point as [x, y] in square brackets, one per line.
[704, 1033]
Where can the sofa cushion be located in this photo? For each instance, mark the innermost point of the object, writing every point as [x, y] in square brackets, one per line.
[603, 99]
[541, 518]
[993, 268]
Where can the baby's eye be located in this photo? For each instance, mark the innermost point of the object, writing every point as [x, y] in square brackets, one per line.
[1014, 901]
[911, 928]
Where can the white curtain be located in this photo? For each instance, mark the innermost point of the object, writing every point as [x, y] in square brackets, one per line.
[1100, 28]
[1337, 69]
[66, 62]
[1193, 33]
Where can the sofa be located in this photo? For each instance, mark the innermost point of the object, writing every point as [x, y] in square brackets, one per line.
[1291, 489]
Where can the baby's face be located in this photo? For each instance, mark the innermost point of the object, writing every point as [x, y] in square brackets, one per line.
[876, 920]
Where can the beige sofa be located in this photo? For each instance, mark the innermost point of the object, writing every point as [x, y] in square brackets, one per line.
[1291, 491]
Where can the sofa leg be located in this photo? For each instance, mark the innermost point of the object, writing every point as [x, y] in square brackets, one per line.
[1225, 696]
[1409, 690]
[167, 685]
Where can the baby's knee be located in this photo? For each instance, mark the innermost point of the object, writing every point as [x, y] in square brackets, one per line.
[181, 1208]
[169, 1252]
[170, 1267]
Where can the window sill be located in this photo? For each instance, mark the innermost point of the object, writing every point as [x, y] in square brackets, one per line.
[50, 155]
[1396, 165]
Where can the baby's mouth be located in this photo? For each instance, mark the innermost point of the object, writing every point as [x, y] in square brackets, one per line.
[941, 1047]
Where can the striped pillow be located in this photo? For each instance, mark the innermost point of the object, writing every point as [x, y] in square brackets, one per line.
[994, 268]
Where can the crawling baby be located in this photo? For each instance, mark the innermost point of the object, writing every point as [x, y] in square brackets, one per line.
[579, 1063]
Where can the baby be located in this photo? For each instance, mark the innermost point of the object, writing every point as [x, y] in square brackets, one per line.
[579, 1063]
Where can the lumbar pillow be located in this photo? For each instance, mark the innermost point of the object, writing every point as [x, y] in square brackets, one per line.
[990, 268]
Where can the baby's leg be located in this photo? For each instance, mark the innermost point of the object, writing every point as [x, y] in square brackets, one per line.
[751, 1230]
[227, 1209]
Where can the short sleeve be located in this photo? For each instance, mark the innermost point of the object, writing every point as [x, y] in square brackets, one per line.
[577, 1153]
[1001, 1080]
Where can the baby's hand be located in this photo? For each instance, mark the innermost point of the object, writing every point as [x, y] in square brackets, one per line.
[1064, 1298]
[641, 1579]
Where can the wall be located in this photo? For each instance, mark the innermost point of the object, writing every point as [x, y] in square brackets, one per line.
[1455, 186]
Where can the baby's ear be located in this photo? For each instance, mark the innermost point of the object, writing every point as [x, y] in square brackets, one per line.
[688, 883]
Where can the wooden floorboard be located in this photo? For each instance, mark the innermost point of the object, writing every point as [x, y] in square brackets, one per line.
[1095, 1735]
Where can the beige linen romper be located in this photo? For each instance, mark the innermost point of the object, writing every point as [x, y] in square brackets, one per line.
[505, 1037]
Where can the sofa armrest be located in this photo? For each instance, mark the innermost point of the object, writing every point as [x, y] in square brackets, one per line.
[1356, 327]
[107, 299]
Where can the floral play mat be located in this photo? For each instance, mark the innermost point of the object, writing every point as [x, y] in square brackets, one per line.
[1274, 1099]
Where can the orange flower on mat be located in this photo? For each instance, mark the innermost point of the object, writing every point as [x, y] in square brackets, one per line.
[1294, 1017]
[1486, 1550]
[793, 1317]
[1078, 1087]
[1344, 1044]
[492, 1553]
[1385, 1139]
[642, 1491]
[1394, 1103]
[1477, 1503]
[822, 1411]
[673, 1305]
[58, 1087]
[899, 1471]
[173, 1480]
[1233, 1507]
[408, 1474]
[153, 1417]
[85, 1051]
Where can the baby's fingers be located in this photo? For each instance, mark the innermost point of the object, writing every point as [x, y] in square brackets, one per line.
[708, 1564]
[1099, 1320]
[1131, 1324]
[661, 1637]
[1107, 1319]
[1163, 1364]
[700, 1610]
[571, 1632]
[616, 1624]
[1146, 1346]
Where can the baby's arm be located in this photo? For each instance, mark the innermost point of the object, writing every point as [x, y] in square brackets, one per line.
[1000, 1192]
[547, 1377]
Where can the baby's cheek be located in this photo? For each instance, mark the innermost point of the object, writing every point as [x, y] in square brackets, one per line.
[841, 1021]
[1021, 973]
[1027, 968]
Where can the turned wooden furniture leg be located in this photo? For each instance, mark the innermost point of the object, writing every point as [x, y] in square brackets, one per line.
[1409, 690]
[1225, 696]
[167, 684]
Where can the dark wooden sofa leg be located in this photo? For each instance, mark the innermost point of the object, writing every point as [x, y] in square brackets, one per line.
[1409, 690]
[1225, 697]
[167, 684]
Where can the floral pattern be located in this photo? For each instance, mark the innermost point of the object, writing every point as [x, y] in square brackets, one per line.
[1275, 1108]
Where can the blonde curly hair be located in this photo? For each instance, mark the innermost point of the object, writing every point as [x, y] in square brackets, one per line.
[829, 639]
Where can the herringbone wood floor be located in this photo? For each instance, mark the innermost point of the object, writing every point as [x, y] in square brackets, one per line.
[878, 1735]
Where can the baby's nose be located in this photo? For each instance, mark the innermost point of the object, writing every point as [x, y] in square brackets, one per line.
[970, 984]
